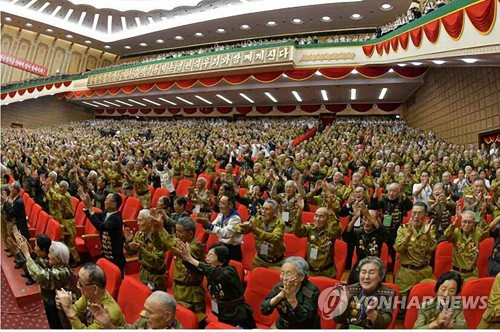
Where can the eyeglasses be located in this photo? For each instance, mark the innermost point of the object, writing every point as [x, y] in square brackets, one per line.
[81, 284]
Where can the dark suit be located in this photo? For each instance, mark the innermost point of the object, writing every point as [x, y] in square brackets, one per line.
[110, 229]
[16, 213]
[451, 189]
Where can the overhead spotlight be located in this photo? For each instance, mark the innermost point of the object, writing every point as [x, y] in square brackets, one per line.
[382, 93]
[160, 41]
[402, 64]
[270, 96]
[220, 30]
[324, 95]
[297, 21]
[184, 100]
[167, 101]
[69, 36]
[326, 19]
[244, 27]
[128, 47]
[297, 96]
[107, 47]
[416, 63]
[88, 42]
[353, 94]
[246, 97]
[318, 73]
[150, 101]
[271, 23]
[224, 98]
[136, 102]
[198, 34]
[470, 60]
[438, 62]
[178, 38]
[356, 16]
[29, 25]
[203, 99]
[143, 44]
[386, 7]
[49, 30]
[8, 19]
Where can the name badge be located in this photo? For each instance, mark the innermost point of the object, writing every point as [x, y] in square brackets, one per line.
[264, 249]
[285, 215]
[387, 222]
[196, 209]
[358, 222]
[215, 307]
[313, 254]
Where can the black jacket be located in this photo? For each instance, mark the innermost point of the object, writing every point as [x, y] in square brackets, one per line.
[17, 214]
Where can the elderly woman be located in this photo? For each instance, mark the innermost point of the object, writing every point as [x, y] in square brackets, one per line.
[370, 303]
[445, 311]
[55, 276]
[295, 297]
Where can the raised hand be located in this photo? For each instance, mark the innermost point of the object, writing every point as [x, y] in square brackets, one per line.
[129, 234]
[371, 309]
[64, 299]
[300, 204]
[100, 314]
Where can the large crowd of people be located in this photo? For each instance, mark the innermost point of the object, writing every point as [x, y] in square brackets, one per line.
[372, 182]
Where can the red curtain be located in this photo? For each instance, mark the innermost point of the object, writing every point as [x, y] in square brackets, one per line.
[380, 48]
[300, 74]
[88, 93]
[49, 86]
[110, 111]
[31, 90]
[309, 108]
[287, 109]
[40, 88]
[114, 91]
[482, 15]
[58, 85]
[409, 72]
[267, 77]
[336, 73]
[236, 79]
[145, 111]
[388, 107]
[159, 111]
[206, 110]
[67, 83]
[416, 36]
[224, 110]
[454, 24]
[78, 94]
[210, 81]
[59, 96]
[362, 107]
[174, 110]
[368, 50]
[128, 89]
[3, 95]
[431, 30]
[21, 92]
[99, 111]
[264, 109]
[372, 72]
[244, 110]
[101, 92]
[145, 87]
[186, 84]
[335, 108]
[403, 40]
[12, 94]
[190, 110]
[395, 44]
[164, 85]
[133, 111]
[121, 111]
[387, 46]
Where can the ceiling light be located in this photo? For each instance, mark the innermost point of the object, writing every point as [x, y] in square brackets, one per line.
[198, 34]
[416, 63]
[110, 23]
[87, 103]
[82, 17]
[8, 19]
[245, 27]
[402, 64]
[469, 60]
[137, 21]
[150, 101]
[136, 102]
[297, 21]
[178, 38]
[382, 93]
[271, 23]
[29, 25]
[150, 19]
[49, 30]
[143, 44]
[356, 16]
[297, 96]
[203, 100]
[324, 95]
[354, 71]
[88, 42]
[386, 7]
[326, 19]
[318, 73]
[69, 36]
[54, 13]
[167, 101]
[438, 62]
[225, 99]
[122, 102]
[284, 75]
[102, 104]
[391, 70]
[107, 47]
[106, 101]
[95, 21]
[270, 96]
[353, 94]
[124, 23]
[397, 117]
[220, 30]
[246, 97]
[127, 47]
[160, 41]
[184, 100]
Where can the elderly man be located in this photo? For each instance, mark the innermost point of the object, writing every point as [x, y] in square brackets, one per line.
[92, 284]
[200, 196]
[491, 316]
[450, 189]
[466, 241]
[441, 210]
[415, 244]
[479, 202]
[370, 303]
[288, 199]
[268, 230]
[158, 314]
[51, 190]
[140, 181]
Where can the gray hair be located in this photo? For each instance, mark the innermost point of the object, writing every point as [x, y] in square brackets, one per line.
[144, 213]
[187, 223]
[373, 260]
[275, 204]
[60, 252]
[164, 300]
[300, 265]
[64, 184]
[16, 185]
[468, 213]
[53, 175]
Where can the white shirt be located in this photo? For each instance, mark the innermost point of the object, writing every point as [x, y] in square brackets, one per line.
[424, 195]
[225, 229]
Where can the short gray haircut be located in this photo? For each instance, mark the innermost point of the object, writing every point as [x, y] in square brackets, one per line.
[373, 260]
[16, 185]
[468, 213]
[64, 184]
[144, 213]
[275, 204]
[52, 175]
[300, 265]
[60, 252]
[187, 223]
[165, 300]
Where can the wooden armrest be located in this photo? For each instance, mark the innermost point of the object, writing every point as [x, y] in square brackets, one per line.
[80, 227]
[89, 236]
[132, 259]
[127, 221]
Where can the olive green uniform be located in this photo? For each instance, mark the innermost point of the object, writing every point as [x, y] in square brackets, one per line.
[201, 198]
[188, 169]
[153, 248]
[466, 248]
[269, 242]
[49, 278]
[68, 225]
[441, 214]
[141, 186]
[142, 324]
[84, 319]
[320, 201]
[176, 169]
[229, 178]
[305, 314]
[114, 178]
[354, 315]
[55, 203]
[414, 256]
[491, 316]
[319, 246]
[430, 310]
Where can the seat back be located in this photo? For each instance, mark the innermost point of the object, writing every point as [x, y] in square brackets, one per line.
[124, 200]
[483, 260]
[415, 298]
[208, 178]
[113, 276]
[80, 217]
[243, 213]
[53, 230]
[248, 250]
[307, 217]
[340, 251]
[295, 246]
[212, 239]
[131, 297]
[34, 215]
[474, 290]
[384, 256]
[219, 326]
[186, 317]
[323, 283]
[396, 309]
[182, 187]
[239, 268]
[28, 205]
[41, 224]
[131, 209]
[75, 202]
[443, 258]
[260, 284]
[159, 192]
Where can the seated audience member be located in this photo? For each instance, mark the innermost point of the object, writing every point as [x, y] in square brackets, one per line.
[422, 191]
[179, 212]
[491, 316]
[295, 297]
[158, 314]
[445, 311]
[370, 303]
[92, 285]
[466, 241]
[494, 264]
[441, 210]
[224, 285]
